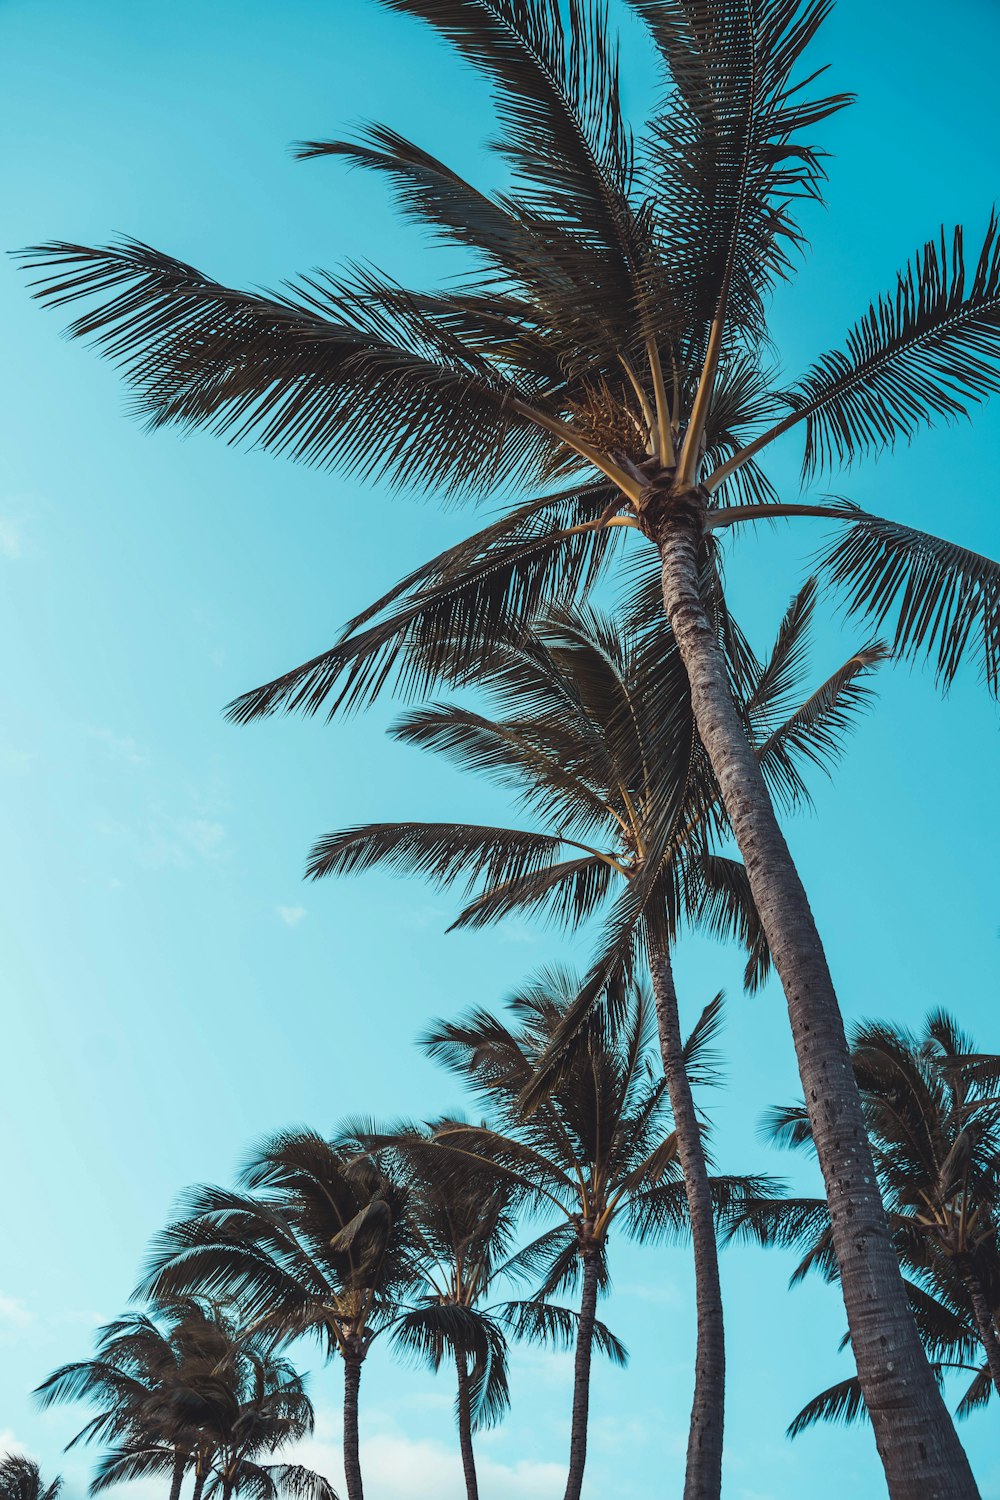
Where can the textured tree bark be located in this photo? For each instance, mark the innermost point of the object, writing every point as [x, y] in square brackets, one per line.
[987, 1327]
[177, 1476]
[703, 1473]
[581, 1376]
[465, 1430]
[352, 1460]
[920, 1451]
[200, 1476]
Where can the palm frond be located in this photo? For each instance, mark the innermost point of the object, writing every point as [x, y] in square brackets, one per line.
[842, 1402]
[927, 350]
[936, 598]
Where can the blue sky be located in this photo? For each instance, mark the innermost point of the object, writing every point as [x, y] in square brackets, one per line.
[172, 991]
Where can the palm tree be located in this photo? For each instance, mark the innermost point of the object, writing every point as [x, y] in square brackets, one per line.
[594, 730]
[933, 1117]
[466, 1218]
[952, 1341]
[159, 1380]
[318, 1242]
[608, 347]
[594, 1152]
[20, 1479]
[187, 1389]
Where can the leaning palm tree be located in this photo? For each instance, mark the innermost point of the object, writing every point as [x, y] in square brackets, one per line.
[595, 1153]
[20, 1479]
[933, 1116]
[608, 348]
[952, 1340]
[593, 728]
[319, 1242]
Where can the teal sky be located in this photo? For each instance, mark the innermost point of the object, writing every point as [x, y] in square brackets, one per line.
[172, 991]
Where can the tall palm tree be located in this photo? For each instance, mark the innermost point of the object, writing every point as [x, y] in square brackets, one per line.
[953, 1344]
[933, 1116]
[593, 729]
[465, 1221]
[186, 1389]
[608, 346]
[20, 1479]
[595, 1153]
[318, 1242]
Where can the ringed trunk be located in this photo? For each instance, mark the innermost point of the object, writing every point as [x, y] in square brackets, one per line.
[581, 1375]
[920, 1451]
[465, 1429]
[703, 1473]
[352, 1458]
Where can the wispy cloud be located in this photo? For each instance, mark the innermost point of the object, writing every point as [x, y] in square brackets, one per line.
[13, 1313]
[121, 747]
[291, 915]
[399, 1467]
[11, 538]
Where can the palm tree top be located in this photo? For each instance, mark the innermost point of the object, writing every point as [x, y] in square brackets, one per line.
[606, 341]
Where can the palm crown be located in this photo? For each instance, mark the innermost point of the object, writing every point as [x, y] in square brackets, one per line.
[591, 727]
[183, 1389]
[610, 317]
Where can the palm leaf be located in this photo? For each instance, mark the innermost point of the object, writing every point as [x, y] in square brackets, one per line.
[937, 598]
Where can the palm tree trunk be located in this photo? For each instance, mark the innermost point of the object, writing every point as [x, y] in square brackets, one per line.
[352, 1460]
[916, 1438]
[987, 1327]
[177, 1476]
[200, 1476]
[465, 1429]
[703, 1474]
[581, 1376]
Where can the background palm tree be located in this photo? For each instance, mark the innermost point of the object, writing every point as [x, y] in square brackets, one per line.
[465, 1217]
[20, 1479]
[593, 1152]
[160, 1380]
[319, 1243]
[933, 1115]
[593, 729]
[186, 1389]
[610, 339]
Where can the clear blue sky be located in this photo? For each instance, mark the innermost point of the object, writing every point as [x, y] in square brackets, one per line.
[171, 989]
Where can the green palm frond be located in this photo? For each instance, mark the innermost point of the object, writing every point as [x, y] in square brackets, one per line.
[314, 374]
[927, 350]
[937, 599]
[548, 1323]
[842, 1402]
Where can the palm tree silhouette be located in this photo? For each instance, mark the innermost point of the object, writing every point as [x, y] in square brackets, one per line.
[608, 347]
[593, 731]
[595, 1152]
[20, 1479]
[186, 1389]
[319, 1242]
[465, 1219]
[930, 1102]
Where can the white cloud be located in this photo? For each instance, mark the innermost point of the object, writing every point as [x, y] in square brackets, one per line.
[13, 1313]
[119, 746]
[12, 538]
[11, 1444]
[291, 915]
[397, 1467]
